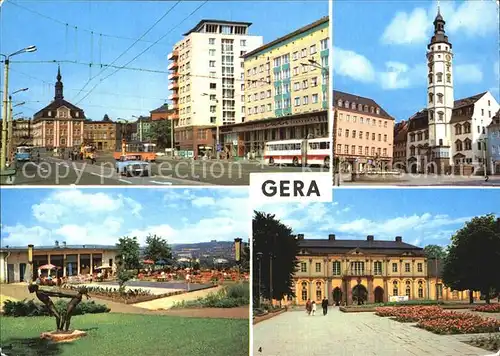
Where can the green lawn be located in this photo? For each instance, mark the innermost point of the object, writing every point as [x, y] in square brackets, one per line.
[128, 334]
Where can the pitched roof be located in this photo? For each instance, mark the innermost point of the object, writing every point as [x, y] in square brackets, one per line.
[60, 247]
[54, 105]
[400, 131]
[495, 120]
[468, 101]
[319, 246]
[161, 109]
[339, 95]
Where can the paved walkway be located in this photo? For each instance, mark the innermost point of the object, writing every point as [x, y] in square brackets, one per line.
[168, 302]
[297, 334]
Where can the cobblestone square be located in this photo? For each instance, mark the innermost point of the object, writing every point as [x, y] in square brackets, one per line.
[295, 333]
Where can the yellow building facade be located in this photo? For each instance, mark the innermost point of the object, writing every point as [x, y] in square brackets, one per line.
[344, 271]
[285, 91]
[289, 76]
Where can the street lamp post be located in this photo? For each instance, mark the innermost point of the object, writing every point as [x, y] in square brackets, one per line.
[259, 258]
[5, 98]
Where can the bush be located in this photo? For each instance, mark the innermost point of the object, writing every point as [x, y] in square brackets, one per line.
[231, 296]
[113, 292]
[32, 308]
[488, 308]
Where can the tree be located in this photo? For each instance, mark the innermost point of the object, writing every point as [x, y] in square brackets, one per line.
[161, 133]
[123, 277]
[157, 249]
[473, 259]
[245, 257]
[273, 240]
[128, 253]
[435, 251]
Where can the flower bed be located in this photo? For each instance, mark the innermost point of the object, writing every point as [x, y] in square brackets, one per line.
[439, 321]
[488, 308]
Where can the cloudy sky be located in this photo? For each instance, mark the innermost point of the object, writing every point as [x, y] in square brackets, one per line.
[383, 56]
[127, 92]
[101, 216]
[420, 216]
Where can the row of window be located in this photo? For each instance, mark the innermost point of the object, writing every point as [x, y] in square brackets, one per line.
[323, 145]
[359, 107]
[357, 267]
[374, 152]
[303, 53]
[353, 118]
[439, 78]
[419, 136]
[354, 135]
[284, 89]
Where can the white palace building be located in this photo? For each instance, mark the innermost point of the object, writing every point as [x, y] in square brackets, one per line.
[449, 135]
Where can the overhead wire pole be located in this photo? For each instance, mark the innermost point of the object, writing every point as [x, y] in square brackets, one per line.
[144, 51]
[129, 47]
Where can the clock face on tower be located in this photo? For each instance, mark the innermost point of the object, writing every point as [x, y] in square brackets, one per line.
[448, 57]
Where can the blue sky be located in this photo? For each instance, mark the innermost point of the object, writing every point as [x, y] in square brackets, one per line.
[101, 216]
[420, 216]
[134, 92]
[384, 56]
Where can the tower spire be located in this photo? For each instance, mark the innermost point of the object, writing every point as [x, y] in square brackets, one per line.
[59, 86]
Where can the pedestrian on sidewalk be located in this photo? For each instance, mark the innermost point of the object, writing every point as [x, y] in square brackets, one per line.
[308, 307]
[313, 308]
[324, 304]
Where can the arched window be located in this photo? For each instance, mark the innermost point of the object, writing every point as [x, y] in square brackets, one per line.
[353, 106]
[395, 288]
[340, 103]
[440, 98]
[319, 291]
[431, 115]
[420, 289]
[365, 108]
[430, 78]
[408, 289]
[458, 145]
[346, 104]
[440, 115]
[372, 110]
[458, 129]
[431, 97]
[448, 77]
[378, 111]
[304, 291]
[430, 67]
[439, 77]
[360, 107]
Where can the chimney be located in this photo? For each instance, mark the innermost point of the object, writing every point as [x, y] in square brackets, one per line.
[56, 243]
[369, 238]
[399, 239]
[331, 237]
[64, 244]
[300, 237]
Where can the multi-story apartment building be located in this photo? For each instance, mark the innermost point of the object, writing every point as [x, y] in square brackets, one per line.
[375, 270]
[286, 91]
[59, 124]
[22, 132]
[363, 132]
[207, 82]
[101, 134]
[493, 144]
[449, 135]
[399, 148]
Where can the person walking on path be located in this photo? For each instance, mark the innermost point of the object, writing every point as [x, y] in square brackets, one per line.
[324, 304]
[308, 307]
[313, 308]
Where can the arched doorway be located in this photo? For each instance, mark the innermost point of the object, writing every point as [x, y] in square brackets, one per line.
[359, 294]
[337, 295]
[379, 295]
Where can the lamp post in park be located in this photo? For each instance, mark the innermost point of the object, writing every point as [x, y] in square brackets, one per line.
[237, 254]
[3, 155]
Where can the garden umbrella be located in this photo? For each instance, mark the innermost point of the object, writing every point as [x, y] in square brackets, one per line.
[48, 266]
[148, 262]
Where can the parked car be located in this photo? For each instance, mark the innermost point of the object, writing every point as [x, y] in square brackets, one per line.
[132, 165]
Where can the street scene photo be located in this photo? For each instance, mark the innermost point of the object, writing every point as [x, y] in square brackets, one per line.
[124, 271]
[418, 275]
[163, 92]
[416, 93]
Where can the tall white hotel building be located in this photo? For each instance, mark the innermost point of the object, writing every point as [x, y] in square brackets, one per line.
[207, 82]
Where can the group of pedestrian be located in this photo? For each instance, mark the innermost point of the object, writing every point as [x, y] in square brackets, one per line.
[311, 307]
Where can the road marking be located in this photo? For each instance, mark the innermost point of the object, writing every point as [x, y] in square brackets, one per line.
[164, 183]
[125, 181]
[96, 174]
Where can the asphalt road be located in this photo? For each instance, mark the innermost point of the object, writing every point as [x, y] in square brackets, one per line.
[56, 171]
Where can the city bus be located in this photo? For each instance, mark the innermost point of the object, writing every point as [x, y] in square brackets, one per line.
[315, 151]
[147, 151]
[23, 154]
